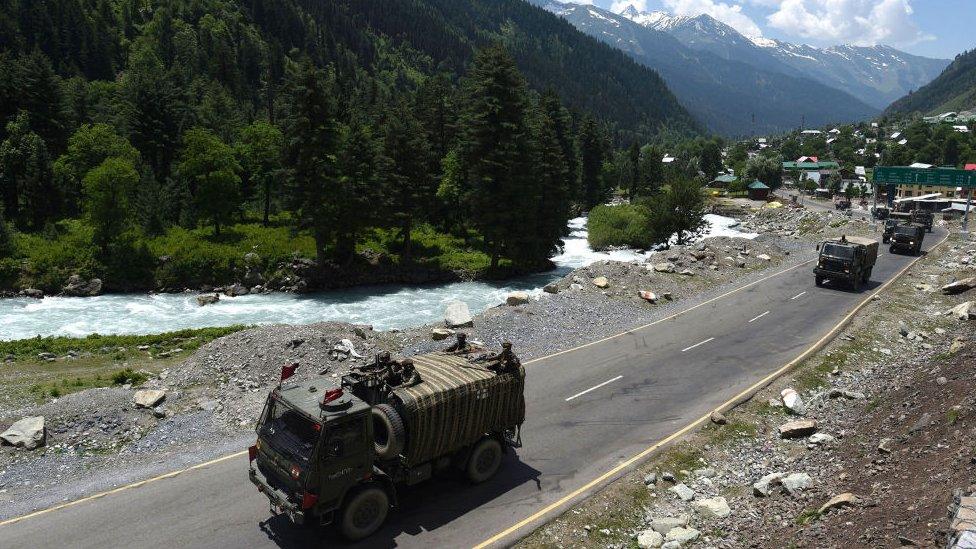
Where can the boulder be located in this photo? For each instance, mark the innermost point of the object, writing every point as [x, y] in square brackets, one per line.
[718, 418]
[820, 438]
[663, 525]
[32, 293]
[853, 395]
[647, 296]
[957, 345]
[764, 257]
[793, 402]
[764, 486]
[207, 299]
[457, 315]
[713, 507]
[959, 286]
[687, 272]
[148, 398]
[253, 276]
[682, 491]
[551, 288]
[601, 282]
[440, 334]
[235, 290]
[649, 539]
[79, 287]
[664, 267]
[798, 429]
[517, 298]
[963, 311]
[28, 433]
[846, 499]
[683, 535]
[796, 483]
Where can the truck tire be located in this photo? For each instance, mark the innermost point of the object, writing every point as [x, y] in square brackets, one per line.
[867, 275]
[364, 513]
[818, 281]
[484, 461]
[856, 283]
[389, 433]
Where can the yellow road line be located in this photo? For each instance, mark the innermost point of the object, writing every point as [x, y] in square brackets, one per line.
[122, 488]
[732, 402]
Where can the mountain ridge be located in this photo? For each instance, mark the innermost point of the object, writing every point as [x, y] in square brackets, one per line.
[953, 90]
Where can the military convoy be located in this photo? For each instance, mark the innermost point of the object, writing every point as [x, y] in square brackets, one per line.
[846, 259]
[907, 238]
[335, 454]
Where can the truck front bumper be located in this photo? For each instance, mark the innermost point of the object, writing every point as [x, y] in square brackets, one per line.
[281, 504]
[832, 275]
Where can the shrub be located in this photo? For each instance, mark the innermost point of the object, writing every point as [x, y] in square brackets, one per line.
[623, 225]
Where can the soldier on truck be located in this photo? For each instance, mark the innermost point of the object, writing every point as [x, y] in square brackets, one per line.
[328, 454]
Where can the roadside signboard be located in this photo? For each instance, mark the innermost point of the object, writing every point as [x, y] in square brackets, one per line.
[946, 177]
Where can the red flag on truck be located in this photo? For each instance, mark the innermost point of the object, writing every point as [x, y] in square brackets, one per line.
[288, 370]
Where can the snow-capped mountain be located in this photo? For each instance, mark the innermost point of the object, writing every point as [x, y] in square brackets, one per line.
[877, 75]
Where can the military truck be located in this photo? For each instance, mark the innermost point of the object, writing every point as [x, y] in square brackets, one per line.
[923, 218]
[889, 229]
[847, 259]
[330, 453]
[907, 238]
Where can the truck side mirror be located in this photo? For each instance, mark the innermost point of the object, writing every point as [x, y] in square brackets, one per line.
[818, 247]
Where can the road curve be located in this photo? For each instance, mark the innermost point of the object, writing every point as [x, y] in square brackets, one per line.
[588, 410]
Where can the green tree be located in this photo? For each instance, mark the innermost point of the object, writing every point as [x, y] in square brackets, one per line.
[595, 190]
[562, 125]
[410, 188]
[360, 165]
[6, 239]
[107, 191]
[26, 180]
[686, 205]
[767, 170]
[710, 159]
[651, 169]
[210, 169]
[88, 147]
[549, 192]
[259, 151]
[634, 188]
[311, 143]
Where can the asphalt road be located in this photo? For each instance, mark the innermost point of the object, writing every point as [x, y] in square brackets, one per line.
[588, 410]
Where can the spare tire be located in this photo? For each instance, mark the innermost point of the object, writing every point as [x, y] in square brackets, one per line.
[389, 433]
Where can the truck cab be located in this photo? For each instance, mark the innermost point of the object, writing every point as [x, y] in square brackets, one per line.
[846, 259]
[924, 219]
[907, 238]
[889, 229]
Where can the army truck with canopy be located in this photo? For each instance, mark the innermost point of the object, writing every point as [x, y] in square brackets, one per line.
[335, 454]
[847, 259]
[889, 229]
[923, 218]
[907, 238]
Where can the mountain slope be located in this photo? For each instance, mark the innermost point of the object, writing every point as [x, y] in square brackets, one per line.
[953, 90]
[730, 97]
[877, 75]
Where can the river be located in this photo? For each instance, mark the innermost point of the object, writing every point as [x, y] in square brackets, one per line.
[385, 307]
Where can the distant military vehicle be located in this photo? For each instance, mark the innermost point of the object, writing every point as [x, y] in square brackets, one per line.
[923, 218]
[907, 239]
[328, 454]
[889, 229]
[842, 203]
[846, 259]
[880, 212]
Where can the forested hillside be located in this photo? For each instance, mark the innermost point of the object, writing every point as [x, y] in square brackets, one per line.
[135, 133]
[953, 90]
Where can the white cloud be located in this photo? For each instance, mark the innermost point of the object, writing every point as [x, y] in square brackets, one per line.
[859, 22]
[730, 14]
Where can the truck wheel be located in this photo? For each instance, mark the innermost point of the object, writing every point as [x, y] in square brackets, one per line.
[484, 461]
[856, 283]
[818, 281]
[867, 275]
[891, 249]
[364, 513]
[389, 433]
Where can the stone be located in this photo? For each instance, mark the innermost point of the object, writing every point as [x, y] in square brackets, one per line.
[346, 347]
[32, 293]
[963, 311]
[884, 446]
[664, 267]
[601, 282]
[682, 491]
[764, 486]
[235, 290]
[647, 295]
[820, 438]
[207, 299]
[717, 418]
[668, 476]
[959, 286]
[28, 433]
[798, 429]
[687, 272]
[957, 345]
[941, 380]
[575, 286]
[793, 402]
[853, 395]
[663, 525]
[79, 287]
[253, 276]
[764, 257]
[650, 478]
[795, 483]
[839, 501]
[715, 507]
[649, 539]
[517, 298]
[148, 398]
[440, 334]
[457, 315]
[683, 535]
[706, 472]
[551, 288]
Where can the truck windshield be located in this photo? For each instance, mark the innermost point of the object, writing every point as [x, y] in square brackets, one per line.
[838, 251]
[288, 431]
[905, 230]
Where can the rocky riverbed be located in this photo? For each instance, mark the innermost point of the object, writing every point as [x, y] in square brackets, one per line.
[96, 438]
[866, 444]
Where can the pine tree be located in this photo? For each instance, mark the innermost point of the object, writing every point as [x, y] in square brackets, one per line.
[562, 125]
[259, 151]
[651, 170]
[41, 97]
[6, 239]
[493, 148]
[26, 179]
[411, 187]
[710, 159]
[595, 190]
[634, 158]
[311, 142]
[550, 195]
[209, 167]
[360, 165]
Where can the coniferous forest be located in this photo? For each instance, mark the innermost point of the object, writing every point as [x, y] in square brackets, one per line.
[156, 143]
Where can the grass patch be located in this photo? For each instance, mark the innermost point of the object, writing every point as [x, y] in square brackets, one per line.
[622, 225]
[116, 346]
[952, 416]
[683, 457]
[65, 386]
[732, 432]
[806, 517]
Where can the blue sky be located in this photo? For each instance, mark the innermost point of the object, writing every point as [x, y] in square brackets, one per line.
[933, 28]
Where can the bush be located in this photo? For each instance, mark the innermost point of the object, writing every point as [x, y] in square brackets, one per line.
[623, 225]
